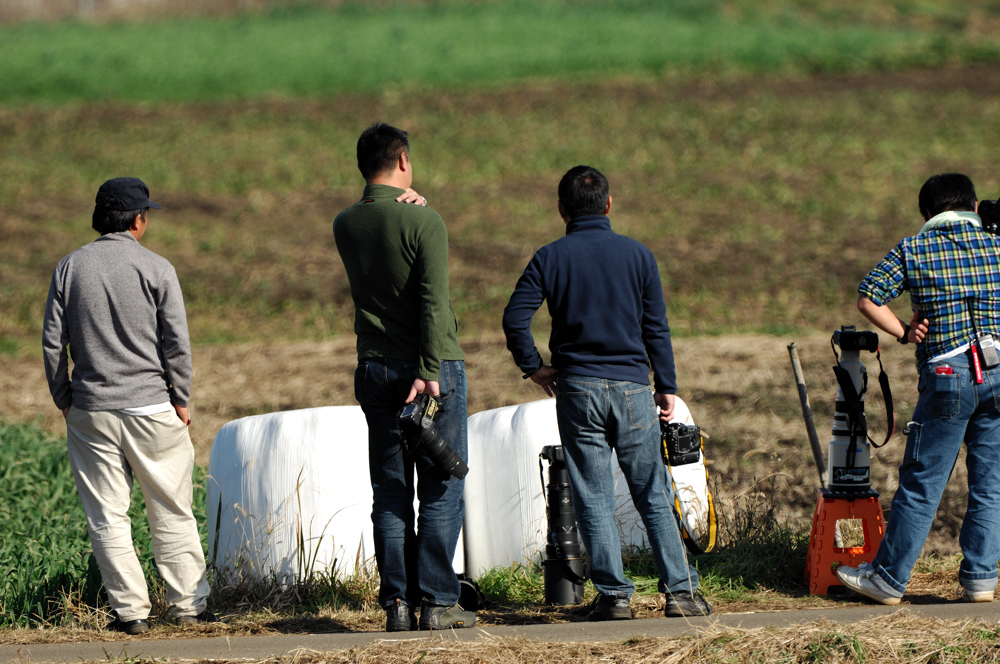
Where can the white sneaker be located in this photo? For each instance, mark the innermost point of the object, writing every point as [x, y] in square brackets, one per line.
[974, 596]
[864, 581]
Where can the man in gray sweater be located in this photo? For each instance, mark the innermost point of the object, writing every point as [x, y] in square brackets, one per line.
[117, 309]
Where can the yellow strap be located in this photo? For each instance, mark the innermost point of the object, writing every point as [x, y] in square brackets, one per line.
[713, 524]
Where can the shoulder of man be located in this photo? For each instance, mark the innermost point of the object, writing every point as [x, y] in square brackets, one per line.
[151, 258]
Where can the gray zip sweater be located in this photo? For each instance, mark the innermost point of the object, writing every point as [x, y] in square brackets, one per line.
[118, 309]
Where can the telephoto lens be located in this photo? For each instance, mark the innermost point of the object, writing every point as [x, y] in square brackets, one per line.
[441, 453]
[563, 567]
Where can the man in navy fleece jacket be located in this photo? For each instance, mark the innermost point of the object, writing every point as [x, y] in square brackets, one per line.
[609, 325]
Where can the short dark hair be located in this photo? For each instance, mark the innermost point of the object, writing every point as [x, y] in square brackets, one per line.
[379, 147]
[582, 191]
[946, 191]
[106, 220]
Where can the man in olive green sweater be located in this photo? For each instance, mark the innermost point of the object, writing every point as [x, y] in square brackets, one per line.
[396, 258]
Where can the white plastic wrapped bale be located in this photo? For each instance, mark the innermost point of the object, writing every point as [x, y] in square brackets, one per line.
[504, 507]
[294, 493]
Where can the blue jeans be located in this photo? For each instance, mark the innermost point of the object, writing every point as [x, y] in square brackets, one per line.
[413, 565]
[598, 416]
[951, 408]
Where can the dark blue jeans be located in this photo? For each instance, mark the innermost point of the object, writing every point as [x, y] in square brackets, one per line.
[413, 564]
[952, 408]
[598, 417]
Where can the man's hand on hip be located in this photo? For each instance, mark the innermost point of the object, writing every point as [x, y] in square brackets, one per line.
[666, 404]
[918, 328]
[184, 414]
[421, 386]
[546, 378]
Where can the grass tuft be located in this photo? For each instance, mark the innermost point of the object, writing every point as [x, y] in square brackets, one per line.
[757, 550]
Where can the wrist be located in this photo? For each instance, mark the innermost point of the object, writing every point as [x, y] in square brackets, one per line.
[905, 339]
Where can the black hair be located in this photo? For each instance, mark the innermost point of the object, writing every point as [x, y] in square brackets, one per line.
[583, 191]
[378, 149]
[107, 220]
[946, 191]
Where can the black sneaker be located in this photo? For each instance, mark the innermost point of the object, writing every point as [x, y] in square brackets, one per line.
[205, 616]
[610, 607]
[133, 627]
[433, 616]
[399, 617]
[686, 604]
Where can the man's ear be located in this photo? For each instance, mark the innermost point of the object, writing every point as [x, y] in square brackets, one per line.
[562, 211]
[134, 226]
[403, 162]
[607, 208]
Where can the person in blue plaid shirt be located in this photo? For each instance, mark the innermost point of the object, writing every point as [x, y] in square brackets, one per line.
[951, 269]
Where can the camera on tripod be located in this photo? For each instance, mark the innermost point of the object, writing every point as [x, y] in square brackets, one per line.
[849, 457]
[416, 424]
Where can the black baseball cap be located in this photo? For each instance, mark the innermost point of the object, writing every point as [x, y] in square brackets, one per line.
[125, 194]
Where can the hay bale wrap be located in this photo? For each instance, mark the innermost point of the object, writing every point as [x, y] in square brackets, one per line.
[505, 519]
[289, 492]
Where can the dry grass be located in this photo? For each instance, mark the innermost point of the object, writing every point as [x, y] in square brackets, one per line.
[898, 638]
[894, 639]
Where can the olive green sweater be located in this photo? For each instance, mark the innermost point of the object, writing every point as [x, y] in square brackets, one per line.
[396, 257]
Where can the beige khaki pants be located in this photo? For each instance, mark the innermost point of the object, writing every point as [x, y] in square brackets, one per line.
[106, 449]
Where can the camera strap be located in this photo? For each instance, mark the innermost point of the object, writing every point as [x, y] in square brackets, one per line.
[855, 410]
[977, 368]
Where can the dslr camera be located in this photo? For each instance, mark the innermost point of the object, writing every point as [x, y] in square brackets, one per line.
[989, 212]
[850, 339]
[416, 425]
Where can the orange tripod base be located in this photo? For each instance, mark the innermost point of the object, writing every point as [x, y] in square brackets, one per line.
[824, 555]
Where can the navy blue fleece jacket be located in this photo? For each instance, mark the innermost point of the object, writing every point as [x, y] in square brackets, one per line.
[604, 295]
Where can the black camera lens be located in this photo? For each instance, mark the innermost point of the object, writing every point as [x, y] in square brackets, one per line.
[441, 453]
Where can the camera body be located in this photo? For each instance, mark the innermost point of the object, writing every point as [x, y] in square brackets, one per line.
[416, 425]
[989, 212]
[681, 443]
[850, 339]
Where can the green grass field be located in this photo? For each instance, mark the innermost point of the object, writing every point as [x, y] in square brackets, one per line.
[49, 570]
[315, 52]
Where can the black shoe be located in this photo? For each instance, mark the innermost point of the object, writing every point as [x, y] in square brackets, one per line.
[133, 627]
[205, 616]
[686, 604]
[399, 617]
[433, 616]
[610, 607]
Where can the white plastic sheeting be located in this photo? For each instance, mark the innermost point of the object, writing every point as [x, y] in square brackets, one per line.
[504, 508]
[294, 492]
[691, 486]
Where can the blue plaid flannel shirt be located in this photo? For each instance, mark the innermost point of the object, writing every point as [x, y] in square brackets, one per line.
[942, 268]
